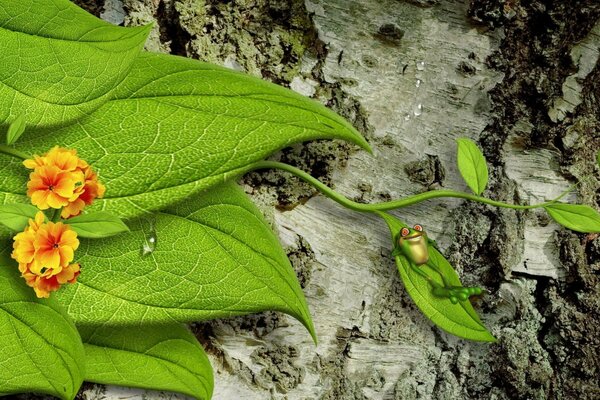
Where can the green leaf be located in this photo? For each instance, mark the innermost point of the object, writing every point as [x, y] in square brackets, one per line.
[472, 166]
[15, 129]
[41, 349]
[459, 319]
[95, 225]
[16, 216]
[576, 217]
[177, 126]
[215, 257]
[58, 61]
[163, 357]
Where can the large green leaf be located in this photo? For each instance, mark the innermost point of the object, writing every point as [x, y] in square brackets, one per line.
[178, 126]
[459, 319]
[162, 357]
[59, 62]
[215, 257]
[41, 349]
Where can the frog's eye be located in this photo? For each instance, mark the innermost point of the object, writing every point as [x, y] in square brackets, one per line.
[404, 232]
[418, 228]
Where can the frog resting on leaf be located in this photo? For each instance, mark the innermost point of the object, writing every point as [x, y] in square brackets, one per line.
[412, 243]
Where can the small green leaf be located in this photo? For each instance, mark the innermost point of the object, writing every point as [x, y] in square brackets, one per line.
[598, 158]
[15, 129]
[41, 349]
[95, 225]
[160, 357]
[576, 217]
[176, 127]
[472, 165]
[215, 257]
[459, 319]
[59, 63]
[16, 216]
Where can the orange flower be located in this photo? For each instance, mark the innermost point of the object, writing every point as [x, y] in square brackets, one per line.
[44, 252]
[55, 245]
[87, 193]
[49, 186]
[64, 159]
[44, 284]
[70, 167]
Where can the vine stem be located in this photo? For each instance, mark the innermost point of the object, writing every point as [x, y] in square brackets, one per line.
[394, 204]
[13, 152]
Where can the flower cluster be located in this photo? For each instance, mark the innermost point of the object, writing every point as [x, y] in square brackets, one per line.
[44, 251]
[60, 179]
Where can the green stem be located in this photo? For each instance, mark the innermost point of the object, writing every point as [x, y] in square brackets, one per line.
[13, 152]
[390, 205]
[55, 216]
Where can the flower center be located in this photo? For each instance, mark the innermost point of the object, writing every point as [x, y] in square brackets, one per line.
[51, 188]
[55, 246]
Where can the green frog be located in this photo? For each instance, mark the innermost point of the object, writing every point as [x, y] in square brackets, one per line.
[413, 243]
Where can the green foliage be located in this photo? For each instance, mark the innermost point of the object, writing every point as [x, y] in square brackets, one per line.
[176, 127]
[159, 357]
[59, 63]
[577, 217]
[459, 319]
[215, 257]
[96, 225]
[472, 165]
[41, 349]
[15, 129]
[16, 216]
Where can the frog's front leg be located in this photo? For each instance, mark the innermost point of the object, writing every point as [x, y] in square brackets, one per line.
[446, 290]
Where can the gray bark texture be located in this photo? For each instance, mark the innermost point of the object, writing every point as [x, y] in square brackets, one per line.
[521, 78]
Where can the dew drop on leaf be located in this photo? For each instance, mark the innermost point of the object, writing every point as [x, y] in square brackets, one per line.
[149, 244]
[420, 65]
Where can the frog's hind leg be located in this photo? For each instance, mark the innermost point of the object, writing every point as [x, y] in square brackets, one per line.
[452, 292]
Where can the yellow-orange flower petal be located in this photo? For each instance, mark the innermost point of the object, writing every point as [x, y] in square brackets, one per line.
[69, 274]
[34, 224]
[72, 209]
[36, 162]
[23, 248]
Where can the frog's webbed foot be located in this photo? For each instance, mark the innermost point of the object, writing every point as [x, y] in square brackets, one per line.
[456, 293]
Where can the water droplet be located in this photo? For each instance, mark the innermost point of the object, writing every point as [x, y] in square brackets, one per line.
[149, 244]
[407, 117]
[420, 65]
[418, 109]
[418, 83]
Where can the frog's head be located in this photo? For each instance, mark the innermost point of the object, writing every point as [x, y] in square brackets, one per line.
[413, 244]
